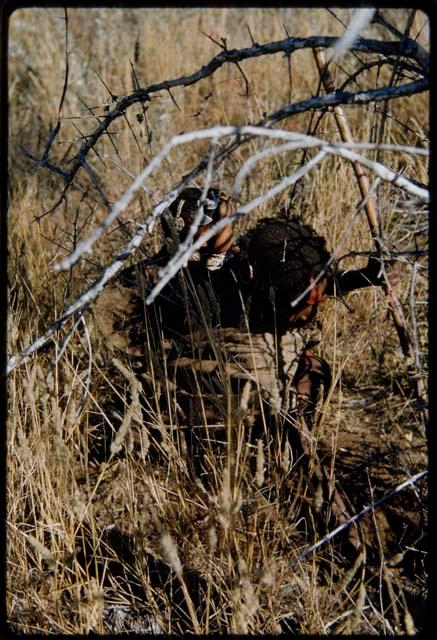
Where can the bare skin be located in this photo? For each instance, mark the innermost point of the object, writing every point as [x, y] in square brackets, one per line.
[222, 241]
[312, 370]
[304, 314]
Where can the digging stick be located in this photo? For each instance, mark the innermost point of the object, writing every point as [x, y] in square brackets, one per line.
[362, 175]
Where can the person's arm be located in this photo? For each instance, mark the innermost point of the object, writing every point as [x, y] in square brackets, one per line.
[215, 250]
[222, 241]
[312, 371]
[347, 281]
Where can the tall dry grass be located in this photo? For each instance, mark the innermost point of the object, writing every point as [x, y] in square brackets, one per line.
[127, 537]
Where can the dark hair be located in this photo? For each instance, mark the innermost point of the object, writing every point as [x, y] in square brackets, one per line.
[284, 254]
[188, 201]
[184, 206]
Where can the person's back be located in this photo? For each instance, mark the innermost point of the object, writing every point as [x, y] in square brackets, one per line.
[255, 291]
[227, 350]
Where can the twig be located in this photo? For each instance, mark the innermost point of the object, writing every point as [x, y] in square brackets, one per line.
[108, 133]
[54, 132]
[246, 81]
[363, 183]
[173, 100]
[220, 131]
[410, 482]
[421, 54]
[112, 96]
[251, 36]
[96, 183]
[135, 83]
[352, 77]
[64, 88]
[216, 42]
[416, 253]
[90, 363]
[409, 49]
[44, 162]
[127, 172]
[64, 345]
[57, 127]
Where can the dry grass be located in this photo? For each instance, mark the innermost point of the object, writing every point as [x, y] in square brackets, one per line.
[124, 537]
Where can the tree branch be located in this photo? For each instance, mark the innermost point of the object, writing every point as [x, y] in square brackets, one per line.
[299, 140]
[408, 49]
[408, 483]
[344, 97]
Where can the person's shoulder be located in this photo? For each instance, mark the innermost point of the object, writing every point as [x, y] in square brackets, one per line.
[130, 276]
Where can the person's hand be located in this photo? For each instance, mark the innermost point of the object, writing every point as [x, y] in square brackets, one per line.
[226, 208]
[185, 208]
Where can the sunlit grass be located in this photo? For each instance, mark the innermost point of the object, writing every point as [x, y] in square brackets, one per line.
[111, 527]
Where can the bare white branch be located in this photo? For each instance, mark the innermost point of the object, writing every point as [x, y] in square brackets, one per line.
[215, 133]
[185, 251]
[126, 171]
[381, 170]
[359, 21]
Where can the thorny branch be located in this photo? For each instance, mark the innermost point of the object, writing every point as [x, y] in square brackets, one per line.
[299, 140]
[408, 49]
[44, 161]
[173, 266]
[392, 52]
[345, 97]
[318, 102]
[422, 56]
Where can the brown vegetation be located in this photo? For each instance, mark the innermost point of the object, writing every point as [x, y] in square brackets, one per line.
[110, 528]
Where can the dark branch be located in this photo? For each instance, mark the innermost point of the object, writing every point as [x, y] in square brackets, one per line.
[409, 49]
[343, 97]
[377, 63]
[43, 162]
[421, 55]
[64, 88]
